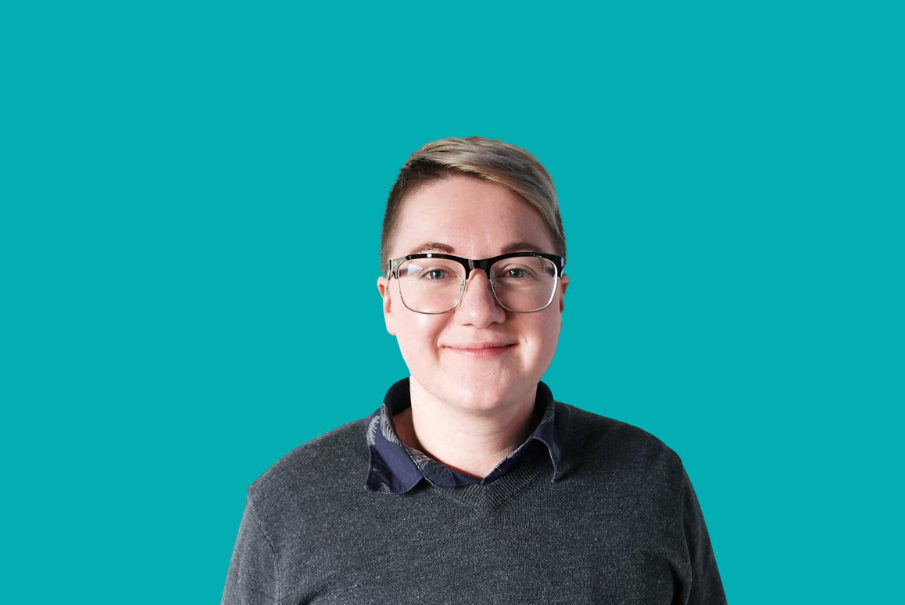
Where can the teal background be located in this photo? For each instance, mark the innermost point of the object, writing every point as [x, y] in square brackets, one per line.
[179, 180]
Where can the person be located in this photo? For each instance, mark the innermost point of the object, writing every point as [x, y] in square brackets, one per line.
[471, 484]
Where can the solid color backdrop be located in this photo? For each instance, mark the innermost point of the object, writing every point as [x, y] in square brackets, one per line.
[190, 206]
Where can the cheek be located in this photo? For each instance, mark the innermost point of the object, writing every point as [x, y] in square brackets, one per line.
[546, 335]
[417, 335]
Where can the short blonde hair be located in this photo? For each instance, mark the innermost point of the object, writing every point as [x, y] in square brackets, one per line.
[485, 159]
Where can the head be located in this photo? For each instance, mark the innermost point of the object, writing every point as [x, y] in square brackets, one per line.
[470, 198]
[484, 159]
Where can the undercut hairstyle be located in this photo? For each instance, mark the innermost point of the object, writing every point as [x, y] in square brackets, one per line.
[480, 158]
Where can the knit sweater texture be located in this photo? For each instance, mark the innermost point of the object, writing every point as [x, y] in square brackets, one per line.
[621, 524]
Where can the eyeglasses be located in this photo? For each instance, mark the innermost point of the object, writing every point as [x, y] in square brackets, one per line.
[521, 282]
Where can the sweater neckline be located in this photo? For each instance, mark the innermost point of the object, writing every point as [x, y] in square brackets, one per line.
[491, 496]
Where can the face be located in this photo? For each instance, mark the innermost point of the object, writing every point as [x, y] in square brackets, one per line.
[478, 356]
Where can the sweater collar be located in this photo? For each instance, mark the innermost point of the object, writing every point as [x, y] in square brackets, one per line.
[395, 468]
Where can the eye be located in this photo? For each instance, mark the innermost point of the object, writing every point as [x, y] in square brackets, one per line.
[517, 273]
[435, 274]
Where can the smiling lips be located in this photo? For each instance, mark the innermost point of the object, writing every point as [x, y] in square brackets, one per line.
[481, 349]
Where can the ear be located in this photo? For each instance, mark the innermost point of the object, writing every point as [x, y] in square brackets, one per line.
[383, 285]
[565, 282]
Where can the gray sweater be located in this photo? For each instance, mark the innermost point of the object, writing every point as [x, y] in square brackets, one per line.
[621, 524]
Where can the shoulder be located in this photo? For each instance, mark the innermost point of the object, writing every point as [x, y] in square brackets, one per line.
[606, 445]
[331, 461]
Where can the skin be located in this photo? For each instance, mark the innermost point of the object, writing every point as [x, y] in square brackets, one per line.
[474, 370]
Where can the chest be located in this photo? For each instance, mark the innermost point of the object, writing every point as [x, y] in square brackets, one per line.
[538, 548]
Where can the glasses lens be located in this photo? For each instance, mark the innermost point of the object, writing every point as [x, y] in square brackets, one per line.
[430, 285]
[524, 283]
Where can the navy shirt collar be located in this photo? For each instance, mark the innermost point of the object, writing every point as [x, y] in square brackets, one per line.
[396, 468]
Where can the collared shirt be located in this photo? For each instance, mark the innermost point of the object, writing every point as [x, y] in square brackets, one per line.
[396, 468]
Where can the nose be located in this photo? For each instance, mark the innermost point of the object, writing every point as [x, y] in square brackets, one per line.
[478, 306]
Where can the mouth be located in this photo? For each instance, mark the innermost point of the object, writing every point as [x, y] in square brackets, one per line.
[480, 350]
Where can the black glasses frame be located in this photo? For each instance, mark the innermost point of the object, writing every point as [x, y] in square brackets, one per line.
[470, 264]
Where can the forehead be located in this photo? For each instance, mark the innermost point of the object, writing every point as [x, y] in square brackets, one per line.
[468, 217]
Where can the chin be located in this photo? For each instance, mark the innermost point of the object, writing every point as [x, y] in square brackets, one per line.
[478, 396]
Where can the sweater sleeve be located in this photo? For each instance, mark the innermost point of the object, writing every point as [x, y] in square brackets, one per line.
[706, 587]
[252, 577]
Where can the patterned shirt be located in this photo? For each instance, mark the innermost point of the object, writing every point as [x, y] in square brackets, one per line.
[396, 468]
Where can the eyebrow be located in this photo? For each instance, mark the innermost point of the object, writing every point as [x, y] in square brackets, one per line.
[433, 247]
[447, 249]
[521, 247]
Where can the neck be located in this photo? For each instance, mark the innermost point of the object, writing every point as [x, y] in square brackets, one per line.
[471, 442]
